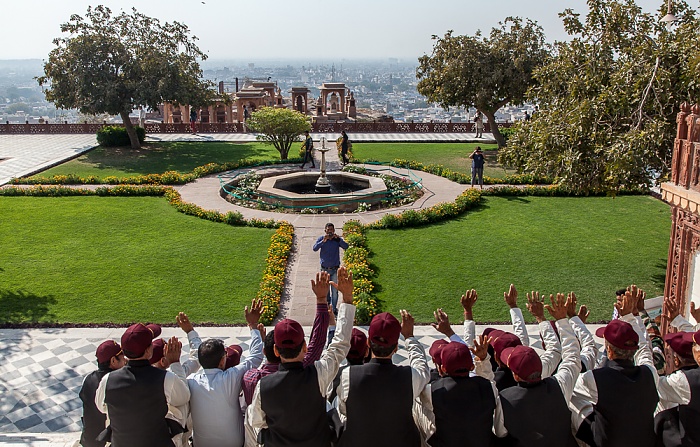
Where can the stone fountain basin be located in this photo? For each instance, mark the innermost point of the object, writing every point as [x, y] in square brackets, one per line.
[368, 189]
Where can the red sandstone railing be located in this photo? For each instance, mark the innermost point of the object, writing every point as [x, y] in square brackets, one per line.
[154, 128]
[685, 167]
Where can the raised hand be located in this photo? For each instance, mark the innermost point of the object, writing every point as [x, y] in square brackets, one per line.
[172, 350]
[344, 284]
[468, 300]
[571, 305]
[536, 306]
[694, 312]
[262, 330]
[558, 308]
[671, 309]
[407, 323]
[639, 296]
[481, 347]
[252, 315]
[184, 322]
[321, 287]
[331, 321]
[442, 323]
[583, 313]
[511, 297]
[627, 304]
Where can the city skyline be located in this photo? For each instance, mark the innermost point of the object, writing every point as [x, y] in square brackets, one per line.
[303, 29]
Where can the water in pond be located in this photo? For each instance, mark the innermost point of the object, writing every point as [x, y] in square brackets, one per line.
[310, 188]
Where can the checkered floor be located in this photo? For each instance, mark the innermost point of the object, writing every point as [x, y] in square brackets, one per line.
[41, 372]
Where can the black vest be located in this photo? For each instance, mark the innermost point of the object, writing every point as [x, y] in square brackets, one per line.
[295, 410]
[624, 413]
[379, 406]
[504, 378]
[537, 415]
[135, 397]
[93, 419]
[463, 408]
[679, 426]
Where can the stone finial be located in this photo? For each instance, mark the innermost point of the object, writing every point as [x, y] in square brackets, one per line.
[695, 109]
[685, 107]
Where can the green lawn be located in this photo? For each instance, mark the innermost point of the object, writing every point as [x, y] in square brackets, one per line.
[119, 260]
[156, 158]
[592, 246]
[451, 155]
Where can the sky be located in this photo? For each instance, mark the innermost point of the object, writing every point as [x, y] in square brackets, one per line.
[295, 29]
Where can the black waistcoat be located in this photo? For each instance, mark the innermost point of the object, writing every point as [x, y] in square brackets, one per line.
[537, 414]
[294, 408]
[504, 378]
[463, 408]
[135, 397]
[379, 406]
[678, 426]
[93, 419]
[624, 413]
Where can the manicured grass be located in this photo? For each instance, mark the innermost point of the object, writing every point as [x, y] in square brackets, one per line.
[592, 246]
[156, 158]
[120, 260]
[451, 155]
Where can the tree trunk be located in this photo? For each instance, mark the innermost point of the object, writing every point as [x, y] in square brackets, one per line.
[133, 138]
[490, 116]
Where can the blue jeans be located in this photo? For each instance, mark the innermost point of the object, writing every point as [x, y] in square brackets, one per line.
[333, 292]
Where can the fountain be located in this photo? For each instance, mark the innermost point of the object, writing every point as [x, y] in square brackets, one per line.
[323, 186]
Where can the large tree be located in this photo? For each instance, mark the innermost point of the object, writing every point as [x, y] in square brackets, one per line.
[278, 127]
[484, 72]
[609, 98]
[114, 64]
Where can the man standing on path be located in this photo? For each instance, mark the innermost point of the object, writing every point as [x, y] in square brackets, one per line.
[477, 158]
[193, 120]
[308, 150]
[479, 124]
[329, 245]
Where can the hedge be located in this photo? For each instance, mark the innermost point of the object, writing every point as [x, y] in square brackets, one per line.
[356, 259]
[111, 136]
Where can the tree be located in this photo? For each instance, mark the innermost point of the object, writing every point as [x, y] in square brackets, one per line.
[608, 99]
[278, 127]
[484, 72]
[116, 64]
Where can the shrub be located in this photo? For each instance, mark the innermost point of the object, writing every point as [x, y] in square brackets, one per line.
[110, 136]
[356, 259]
[272, 283]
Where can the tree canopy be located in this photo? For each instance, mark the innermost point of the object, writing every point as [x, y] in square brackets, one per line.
[609, 98]
[115, 64]
[278, 127]
[484, 72]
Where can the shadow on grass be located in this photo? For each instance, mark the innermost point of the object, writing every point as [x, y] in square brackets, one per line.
[517, 199]
[156, 158]
[659, 279]
[19, 307]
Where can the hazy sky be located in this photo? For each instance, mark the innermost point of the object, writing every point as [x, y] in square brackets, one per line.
[306, 29]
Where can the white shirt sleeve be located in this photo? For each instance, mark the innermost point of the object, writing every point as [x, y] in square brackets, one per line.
[343, 391]
[684, 325]
[589, 350]
[100, 395]
[327, 366]
[177, 393]
[519, 328]
[256, 415]
[469, 332]
[571, 360]
[583, 398]
[552, 354]
[255, 353]
[423, 414]
[420, 372]
[482, 368]
[674, 390]
[499, 428]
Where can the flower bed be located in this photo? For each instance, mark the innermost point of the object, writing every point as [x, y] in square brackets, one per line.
[272, 283]
[356, 259]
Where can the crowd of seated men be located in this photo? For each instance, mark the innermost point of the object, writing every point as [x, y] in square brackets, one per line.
[493, 389]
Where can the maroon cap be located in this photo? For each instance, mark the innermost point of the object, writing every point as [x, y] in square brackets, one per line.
[384, 329]
[619, 334]
[696, 337]
[233, 356]
[501, 340]
[138, 337]
[158, 348]
[288, 334]
[456, 359]
[523, 361]
[435, 349]
[489, 330]
[358, 345]
[681, 343]
[107, 350]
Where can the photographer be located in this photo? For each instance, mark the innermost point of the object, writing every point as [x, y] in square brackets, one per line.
[329, 244]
